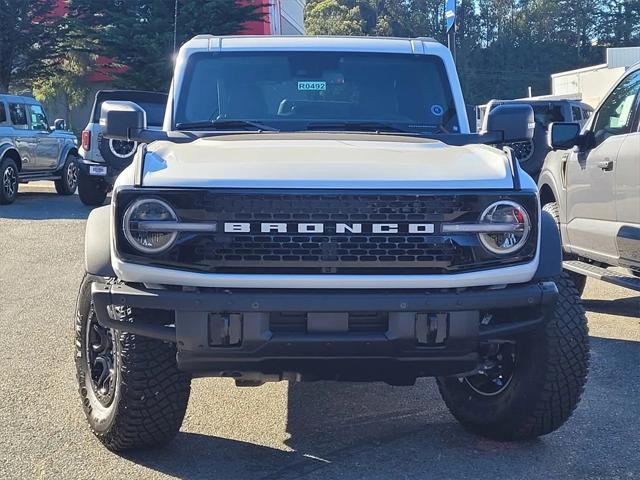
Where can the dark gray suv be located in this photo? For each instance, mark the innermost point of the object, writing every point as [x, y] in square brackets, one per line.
[32, 150]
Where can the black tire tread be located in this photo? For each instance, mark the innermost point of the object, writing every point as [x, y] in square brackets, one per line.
[566, 367]
[553, 209]
[154, 394]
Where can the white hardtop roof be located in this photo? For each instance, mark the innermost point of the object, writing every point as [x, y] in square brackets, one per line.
[314, 43]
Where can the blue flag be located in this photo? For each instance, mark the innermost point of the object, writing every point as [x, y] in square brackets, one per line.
[450, 13]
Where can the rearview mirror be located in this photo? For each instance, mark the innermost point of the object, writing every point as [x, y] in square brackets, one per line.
[511, 122]
[563, 135]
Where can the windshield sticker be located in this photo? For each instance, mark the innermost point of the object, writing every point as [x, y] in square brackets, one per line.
[437, 110]
[312, 86]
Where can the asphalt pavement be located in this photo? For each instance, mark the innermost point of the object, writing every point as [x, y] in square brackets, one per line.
[278, 431]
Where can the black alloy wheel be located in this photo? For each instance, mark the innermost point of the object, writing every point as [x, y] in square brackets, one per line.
[8, 181]
[68, 181]
[497, 372]
[101, 360]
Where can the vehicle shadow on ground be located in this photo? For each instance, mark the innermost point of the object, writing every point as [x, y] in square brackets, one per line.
[35, 205]
[375, 431]
[624, 307]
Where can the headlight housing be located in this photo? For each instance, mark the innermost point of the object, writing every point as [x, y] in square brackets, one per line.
[143, 225]
[510, 225]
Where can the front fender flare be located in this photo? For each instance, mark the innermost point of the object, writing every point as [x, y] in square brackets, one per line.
[97, 243]
[5, 147]
[550, 263]
[66, 150]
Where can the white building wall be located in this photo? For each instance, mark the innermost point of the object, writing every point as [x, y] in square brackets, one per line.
[288, 17]
[622, 56]
[590, 84]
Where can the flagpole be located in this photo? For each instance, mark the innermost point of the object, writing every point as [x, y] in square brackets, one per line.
[175, 25]
[451, 41]
[450, 18]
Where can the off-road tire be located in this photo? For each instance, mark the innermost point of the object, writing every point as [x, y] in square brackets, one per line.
[549, 377]
[578, 280]
[8, 173]
[68, 182]
[92, 191]
[151, 394]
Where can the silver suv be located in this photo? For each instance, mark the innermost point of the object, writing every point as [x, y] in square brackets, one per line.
[32, 150]
[591, 186]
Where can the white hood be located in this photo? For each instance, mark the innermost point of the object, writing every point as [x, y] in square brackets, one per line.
[284, 161]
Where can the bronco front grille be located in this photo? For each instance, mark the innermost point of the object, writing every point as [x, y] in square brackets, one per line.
[285, 250]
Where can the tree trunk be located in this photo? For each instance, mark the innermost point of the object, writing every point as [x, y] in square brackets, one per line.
[67, 111]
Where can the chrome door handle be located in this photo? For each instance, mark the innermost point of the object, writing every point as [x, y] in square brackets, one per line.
[606, 166]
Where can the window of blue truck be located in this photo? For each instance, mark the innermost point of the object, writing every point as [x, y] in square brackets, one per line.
[3, 113]
[38, 118]
[288, 90]
[577, 113]
[18, 114]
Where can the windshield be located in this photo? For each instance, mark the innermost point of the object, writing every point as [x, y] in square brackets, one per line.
[302, 90]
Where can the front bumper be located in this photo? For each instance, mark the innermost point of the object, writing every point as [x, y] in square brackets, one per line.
[428, 332]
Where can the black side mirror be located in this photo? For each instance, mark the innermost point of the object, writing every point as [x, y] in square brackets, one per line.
[562, 135]
[59, 124]
[511, 123]
[127, 121]
[122, 120]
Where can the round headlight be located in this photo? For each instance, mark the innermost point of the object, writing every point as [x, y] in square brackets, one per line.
[508, 227]
[142, 224]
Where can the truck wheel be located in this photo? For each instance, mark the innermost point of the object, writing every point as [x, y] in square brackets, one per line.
[9, 181]
[529, 387]
[69, 177]
[92, 191]
[132, 392]
[579, 281]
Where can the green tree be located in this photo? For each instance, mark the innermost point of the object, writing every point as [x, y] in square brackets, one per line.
[69, 85]
[27, 41]
[503, 46]
[333, 17]
[137, 35]
[618, 22]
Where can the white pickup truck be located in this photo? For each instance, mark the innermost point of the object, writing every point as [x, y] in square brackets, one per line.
[317, 209]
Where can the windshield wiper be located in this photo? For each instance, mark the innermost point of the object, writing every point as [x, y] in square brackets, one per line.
[224, 124]
[358, 127]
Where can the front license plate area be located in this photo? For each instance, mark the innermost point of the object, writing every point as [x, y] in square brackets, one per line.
[97, 170]
[323, 322]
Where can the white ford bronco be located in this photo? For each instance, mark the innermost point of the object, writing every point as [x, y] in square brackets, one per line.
[317, 209]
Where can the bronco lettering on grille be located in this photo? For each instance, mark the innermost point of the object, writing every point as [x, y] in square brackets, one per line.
[340, 228]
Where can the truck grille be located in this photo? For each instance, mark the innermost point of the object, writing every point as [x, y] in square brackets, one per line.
[331, 251]
[359, 322]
